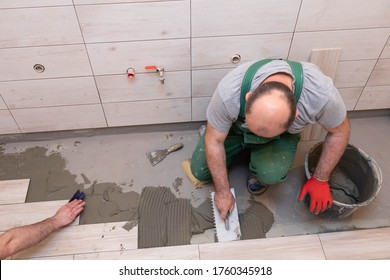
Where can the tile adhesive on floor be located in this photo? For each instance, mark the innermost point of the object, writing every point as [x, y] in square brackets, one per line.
[120, 184]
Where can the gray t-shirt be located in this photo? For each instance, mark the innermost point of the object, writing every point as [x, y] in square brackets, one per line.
[320, 101]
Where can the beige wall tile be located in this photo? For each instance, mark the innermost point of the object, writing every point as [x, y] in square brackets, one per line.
[50, 92]
[13, 191]
[187, 252]
[59, 61]
[4, 4]
[304, 247]
[137, 21]
[199, 107]
[216, 52]
[357, 244]
[39, 27]
[204, 82]
[116, 58]
[148, 112]
[374, 97]
[381, 74]
[7, 123]
[227, 17]
[3, 106]
[355, 44]
[353, 73]
[15, 215]
[86, 2]
[350, 96]
[386, 50]
[60, 118]
[346, 14]
[84, 239]
[118, 88]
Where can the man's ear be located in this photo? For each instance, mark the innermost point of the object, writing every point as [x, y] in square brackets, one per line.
[248, 95]
[296, 113]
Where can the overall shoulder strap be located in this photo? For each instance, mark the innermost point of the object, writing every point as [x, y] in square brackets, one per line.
[247, 82]
[297, 71]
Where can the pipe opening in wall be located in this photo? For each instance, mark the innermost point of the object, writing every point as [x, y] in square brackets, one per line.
[235, 58]
[39, 68]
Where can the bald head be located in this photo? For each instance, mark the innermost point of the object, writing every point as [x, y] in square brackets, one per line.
[270, 109]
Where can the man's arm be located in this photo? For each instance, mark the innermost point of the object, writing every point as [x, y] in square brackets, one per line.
[334, 146]
[20, 238]
[318, 187]
[216, 161]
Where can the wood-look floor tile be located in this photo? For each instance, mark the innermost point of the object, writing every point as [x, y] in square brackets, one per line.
[357, 244]
[14, 215]
[185, 252]
[279, 248]
[13, 191]
[83, 239]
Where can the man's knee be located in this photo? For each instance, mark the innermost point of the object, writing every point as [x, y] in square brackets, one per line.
[269, 175]
[200, 170]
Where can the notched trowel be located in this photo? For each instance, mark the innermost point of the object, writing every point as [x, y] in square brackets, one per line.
[158, 155]
[229, 229]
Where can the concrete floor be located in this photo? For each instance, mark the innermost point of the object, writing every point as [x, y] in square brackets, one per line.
[59, 162]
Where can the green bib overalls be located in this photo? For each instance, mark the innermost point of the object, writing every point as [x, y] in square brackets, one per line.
[270, 158]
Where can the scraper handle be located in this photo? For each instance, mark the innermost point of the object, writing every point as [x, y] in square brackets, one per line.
[227, 226]
[175, 147]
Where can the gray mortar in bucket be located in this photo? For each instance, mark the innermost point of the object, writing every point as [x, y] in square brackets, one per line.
[354, 183]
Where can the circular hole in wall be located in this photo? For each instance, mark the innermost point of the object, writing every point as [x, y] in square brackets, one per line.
[39, 68]
[235, 58]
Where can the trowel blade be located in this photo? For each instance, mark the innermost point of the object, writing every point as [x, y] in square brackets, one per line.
[226, 233]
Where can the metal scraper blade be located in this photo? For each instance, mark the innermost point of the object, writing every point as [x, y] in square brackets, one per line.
[224, 233]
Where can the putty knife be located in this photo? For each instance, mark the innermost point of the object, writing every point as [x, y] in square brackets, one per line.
[229, 229]
[158, 155]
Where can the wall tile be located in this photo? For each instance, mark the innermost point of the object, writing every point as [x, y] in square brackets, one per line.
[353, 73]
[350, 96]
[386, 50]
[7, 123]
[88, 2]
[216, 52]
[199, 107]
[118, 88]
[50, 92]
[138, 21]
[317, 15]
[204, 82]
[355, 44]
[228, 17]
[381, 74]
[60, 118]
[116, 58]
[39, 27]
[59, 61]
[374, 97]
[32, 3]
[148, 112]
[3, 106]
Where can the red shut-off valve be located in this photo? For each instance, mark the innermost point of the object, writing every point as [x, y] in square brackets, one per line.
[151, 67]
[160, 70]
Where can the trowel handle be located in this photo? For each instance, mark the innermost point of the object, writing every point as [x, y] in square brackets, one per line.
[175, 147]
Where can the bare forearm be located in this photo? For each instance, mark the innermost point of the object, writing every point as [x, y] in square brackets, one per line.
[216, 161]
[20, 238]
[333, 149]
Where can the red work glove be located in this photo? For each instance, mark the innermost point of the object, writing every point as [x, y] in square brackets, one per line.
[320, 196]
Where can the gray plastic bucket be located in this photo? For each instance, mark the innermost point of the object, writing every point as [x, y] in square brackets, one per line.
[356, 166]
